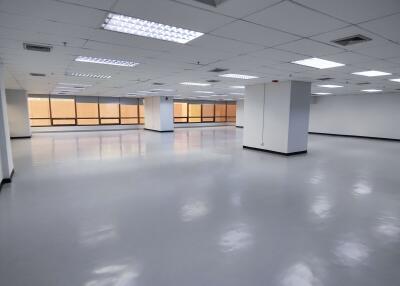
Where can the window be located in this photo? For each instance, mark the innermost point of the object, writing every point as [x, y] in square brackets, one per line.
[231, 112]
[220, 112]
[207, 113]
[87, 109]
[194, 112]
[141, 112]
[180, 112]
[129, 111]
[39, 111]
[62, 110]
[109, 110]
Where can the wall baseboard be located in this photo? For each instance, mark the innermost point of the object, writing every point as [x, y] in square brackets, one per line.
[21, 137]
[160, 131]
[355, 136]
[239, 126]
[275, 152]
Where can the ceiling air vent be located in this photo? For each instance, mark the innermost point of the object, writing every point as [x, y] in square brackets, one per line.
[363, 83]
[37, 47]
[352, 40]
[219, 70]
[37, 74]
[325, 78]
[158, 83]
[213, 80]
[213, 3]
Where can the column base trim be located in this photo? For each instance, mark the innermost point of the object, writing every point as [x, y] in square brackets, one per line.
[161, 131]
[355, 136]
[239, 126]
[21, 137]
[6, 180]
[275, 152]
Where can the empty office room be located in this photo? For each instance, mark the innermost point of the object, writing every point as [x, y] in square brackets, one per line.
[199, 143]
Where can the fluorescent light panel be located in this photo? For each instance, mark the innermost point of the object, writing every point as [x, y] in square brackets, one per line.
[74, 84]
[372, 90]
[238, 86]
[100, 76]
[139, 27]
[322, 93]
[237, 93]
[239, 76]
[372, 73]
[318, 63]
[106, 61]
[330, 85]
[204, 91]
[195, 83]
[395, 79]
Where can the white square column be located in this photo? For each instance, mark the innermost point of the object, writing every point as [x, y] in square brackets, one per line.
[6, 160]
[18, 113]
[239, 113]
[159, 113]
[276, 117]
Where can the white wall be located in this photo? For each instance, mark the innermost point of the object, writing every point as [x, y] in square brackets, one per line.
[276, 116]
[239, 113]
[159, 113]
[18, 114]
[371, 115]
[7, 164]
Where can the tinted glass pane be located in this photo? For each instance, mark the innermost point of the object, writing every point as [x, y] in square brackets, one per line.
[208, 110]
[87, 110]
[194, 110]
[62, 108]
[109, 121]
[129, 120]
[129, 110]
[88, 121]
[231, 110]
[220, 110]
[40, 122]
[39, 107]
[109, 110]
[180, 109]
[63, 121]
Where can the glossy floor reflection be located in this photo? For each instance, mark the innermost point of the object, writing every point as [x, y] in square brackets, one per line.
[194, 208]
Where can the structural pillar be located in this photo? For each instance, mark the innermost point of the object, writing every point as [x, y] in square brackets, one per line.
[6, 166]
[276, 117]
[18, 113]
[159, 112]
[239, 113]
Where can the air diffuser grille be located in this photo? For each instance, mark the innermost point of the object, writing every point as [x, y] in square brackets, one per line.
[352, 40]
[37, 47]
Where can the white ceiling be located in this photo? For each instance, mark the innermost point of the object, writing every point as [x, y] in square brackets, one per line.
[256, 37]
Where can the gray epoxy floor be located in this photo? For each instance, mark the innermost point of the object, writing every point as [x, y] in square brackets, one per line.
[193, 208]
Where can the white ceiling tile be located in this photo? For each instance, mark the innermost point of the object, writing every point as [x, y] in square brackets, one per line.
[354, 11]
[99, 4]
[226, 45]
[234, 8]
[252, 33]
[295, 19]
[274, 55]
[348, 58]
[310, 48]
[386, 27]
[172, 13]
[382, 52]
[55, 11]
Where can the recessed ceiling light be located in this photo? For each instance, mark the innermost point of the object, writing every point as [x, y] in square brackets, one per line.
[237, 93]
[204, 91]
[330, 85]
[196, 83]
[203, 96]
[162, 89]
[74, 84]
[395, 79]
[372, 73]
[238, 86]
[106, 61]
[219, 95]
[239, 76]
[100, 76]
[139, 27]
[372, 90]
[318, 63]
[322, 93]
